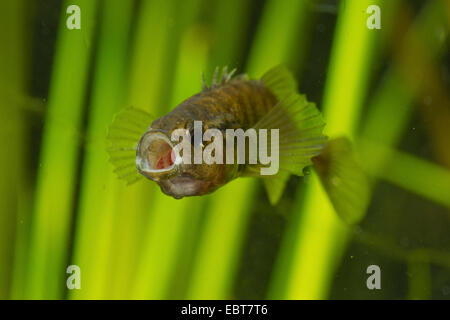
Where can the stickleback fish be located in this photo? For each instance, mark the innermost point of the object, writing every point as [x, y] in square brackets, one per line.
[142, 146]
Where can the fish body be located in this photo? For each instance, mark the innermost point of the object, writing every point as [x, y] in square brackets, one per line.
[239, 103]
[142, 146]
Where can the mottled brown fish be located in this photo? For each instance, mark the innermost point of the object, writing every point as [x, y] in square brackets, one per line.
[229, 103]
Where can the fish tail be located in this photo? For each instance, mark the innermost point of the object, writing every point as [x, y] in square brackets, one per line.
[344, 179]
[302, 143]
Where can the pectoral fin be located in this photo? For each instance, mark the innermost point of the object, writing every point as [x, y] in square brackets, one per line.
[300, 126]
[124, 134]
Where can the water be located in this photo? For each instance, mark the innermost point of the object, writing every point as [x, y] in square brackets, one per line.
[62, 206]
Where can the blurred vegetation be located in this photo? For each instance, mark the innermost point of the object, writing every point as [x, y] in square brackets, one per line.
[60, 204]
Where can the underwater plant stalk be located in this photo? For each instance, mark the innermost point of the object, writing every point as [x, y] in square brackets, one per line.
[227, 218]
[56, 182]
[319, 236]
[97, 213]
[169, 218]
[14, 204]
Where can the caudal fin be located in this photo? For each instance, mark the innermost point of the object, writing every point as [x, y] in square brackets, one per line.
[344, 179]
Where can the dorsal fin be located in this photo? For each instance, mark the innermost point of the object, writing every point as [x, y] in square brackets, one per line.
[218, 79]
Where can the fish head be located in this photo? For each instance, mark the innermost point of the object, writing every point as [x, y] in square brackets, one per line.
[158, 159]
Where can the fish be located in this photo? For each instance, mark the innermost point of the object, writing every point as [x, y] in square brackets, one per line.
[142, 145]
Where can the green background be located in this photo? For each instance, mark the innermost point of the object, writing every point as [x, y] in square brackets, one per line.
[60, 203]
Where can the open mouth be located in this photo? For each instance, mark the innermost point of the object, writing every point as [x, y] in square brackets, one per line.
[155, 153]
[160, 155]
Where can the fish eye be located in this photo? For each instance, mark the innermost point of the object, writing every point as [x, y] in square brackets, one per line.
[196, 144]
[191, 135]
